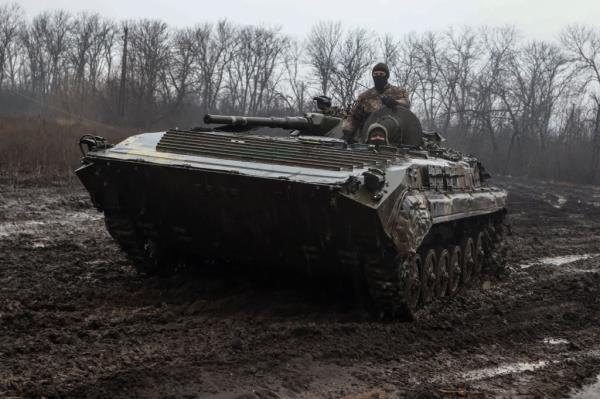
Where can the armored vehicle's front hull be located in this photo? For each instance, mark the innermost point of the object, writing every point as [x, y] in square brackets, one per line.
[210, 215]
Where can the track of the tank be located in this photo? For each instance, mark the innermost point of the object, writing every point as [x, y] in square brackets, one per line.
[384, 274]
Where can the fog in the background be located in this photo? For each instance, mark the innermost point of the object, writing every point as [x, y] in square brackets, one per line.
[538, 19]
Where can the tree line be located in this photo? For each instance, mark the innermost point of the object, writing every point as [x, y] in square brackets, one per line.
[525, 106]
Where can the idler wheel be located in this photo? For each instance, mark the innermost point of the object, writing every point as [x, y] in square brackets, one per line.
[441, 273]
[479, 255]
[428, 276]
[468, 260]
[410, 284]
[454, 269]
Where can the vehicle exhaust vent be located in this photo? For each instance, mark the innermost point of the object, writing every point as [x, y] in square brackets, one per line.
[303, 153]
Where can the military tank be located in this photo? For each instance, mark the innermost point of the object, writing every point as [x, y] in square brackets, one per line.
[408, 219]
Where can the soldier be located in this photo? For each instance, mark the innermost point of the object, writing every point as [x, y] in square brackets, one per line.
[373, 99]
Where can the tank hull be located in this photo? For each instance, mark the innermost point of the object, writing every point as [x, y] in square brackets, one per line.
[386, 217]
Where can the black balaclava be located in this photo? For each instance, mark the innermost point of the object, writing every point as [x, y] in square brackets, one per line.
[381, 81]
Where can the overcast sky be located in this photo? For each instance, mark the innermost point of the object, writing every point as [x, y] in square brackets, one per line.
[540, 19]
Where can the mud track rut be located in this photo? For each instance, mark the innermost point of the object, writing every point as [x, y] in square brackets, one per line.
[76, 321]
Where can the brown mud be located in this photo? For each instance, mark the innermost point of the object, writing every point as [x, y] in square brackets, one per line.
[77, 321]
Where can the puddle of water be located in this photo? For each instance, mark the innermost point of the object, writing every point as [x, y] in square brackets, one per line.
[32, 226]
[588, 392]
[561, 201]
[555, 200]
[555, 341]
[84, 216]
[27, 226]
[503, 370]
[561, 260]
[558, 260]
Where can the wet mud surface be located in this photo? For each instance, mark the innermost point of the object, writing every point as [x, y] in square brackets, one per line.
[77, 321]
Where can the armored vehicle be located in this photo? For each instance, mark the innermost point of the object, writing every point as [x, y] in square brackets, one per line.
[408, 219]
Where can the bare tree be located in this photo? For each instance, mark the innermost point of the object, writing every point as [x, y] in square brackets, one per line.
[252, 72]
[148, 57]
[90, 35]
[458, 68]
[429, 89]
[299, 88]
[11, 19]
[214, 49]
[83, 29]
[99, 53]
[583, 47]
[108, 47]
[353, 59]
[389, 49]
[55, 32]
[35, 72]
[535, 83]
[179, 75]
[403, 70]
[322, 46]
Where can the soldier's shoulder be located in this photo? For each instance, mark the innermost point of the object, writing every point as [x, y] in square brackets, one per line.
[370, 93]
[395, 90]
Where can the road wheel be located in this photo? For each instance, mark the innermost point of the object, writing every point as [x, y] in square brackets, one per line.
[468, 260]
[454, 270]
[441, 273]
[410, 284]
[428, 276]
[479, 255]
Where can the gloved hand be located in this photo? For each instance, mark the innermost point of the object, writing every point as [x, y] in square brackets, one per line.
[389, 101]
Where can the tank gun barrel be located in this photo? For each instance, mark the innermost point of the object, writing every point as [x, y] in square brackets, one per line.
[293, 122]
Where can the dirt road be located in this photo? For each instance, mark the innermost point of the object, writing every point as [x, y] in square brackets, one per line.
[76, 321]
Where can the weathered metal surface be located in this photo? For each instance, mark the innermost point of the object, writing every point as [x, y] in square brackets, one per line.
[276, 151]
[142, 149]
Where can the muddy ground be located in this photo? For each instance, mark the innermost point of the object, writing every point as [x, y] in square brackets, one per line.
[76, 321]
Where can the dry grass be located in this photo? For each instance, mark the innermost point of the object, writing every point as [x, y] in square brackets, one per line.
[33, 147]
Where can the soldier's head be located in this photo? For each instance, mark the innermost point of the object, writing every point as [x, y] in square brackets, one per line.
[381, 74]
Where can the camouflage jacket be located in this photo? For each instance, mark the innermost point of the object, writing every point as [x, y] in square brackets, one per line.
[370, 101]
